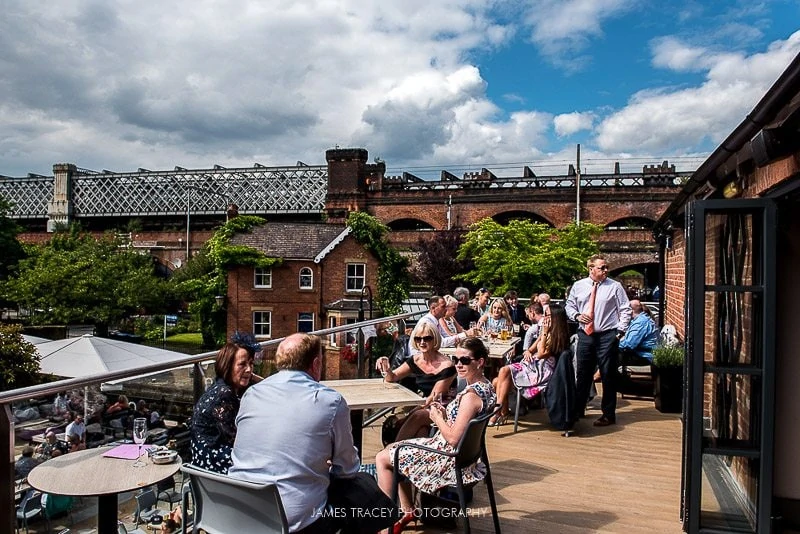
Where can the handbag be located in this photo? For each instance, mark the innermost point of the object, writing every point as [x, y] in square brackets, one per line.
[390, 427]
[359, 505]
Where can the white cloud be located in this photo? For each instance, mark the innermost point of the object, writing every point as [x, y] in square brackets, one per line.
[562, 29]
[669, 120]
[570, 123]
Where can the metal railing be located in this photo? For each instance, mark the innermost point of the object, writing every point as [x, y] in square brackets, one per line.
[7, 479]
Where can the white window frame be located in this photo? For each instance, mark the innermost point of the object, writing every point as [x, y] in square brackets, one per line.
[355, 277]
[310, 276]
[300, 319]
[263, 272]
[332, 337]
[258, 325]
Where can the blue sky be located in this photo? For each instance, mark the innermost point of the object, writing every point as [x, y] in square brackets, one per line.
[422, 84]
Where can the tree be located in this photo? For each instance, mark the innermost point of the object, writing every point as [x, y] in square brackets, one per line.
[11, 247]
[76, 278]
[437, 264]
[393, 278]
[19, 361]
[206, 275]
[528, 256]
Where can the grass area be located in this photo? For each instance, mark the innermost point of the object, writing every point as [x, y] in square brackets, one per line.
[189, 338]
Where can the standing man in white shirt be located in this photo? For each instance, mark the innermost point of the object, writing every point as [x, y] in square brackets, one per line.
[601, 308]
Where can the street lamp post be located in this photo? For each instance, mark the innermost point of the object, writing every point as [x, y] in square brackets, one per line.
[360, 335]
[188, 208]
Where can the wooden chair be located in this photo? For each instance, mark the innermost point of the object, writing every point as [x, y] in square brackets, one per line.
[471, 448]
[225, 505]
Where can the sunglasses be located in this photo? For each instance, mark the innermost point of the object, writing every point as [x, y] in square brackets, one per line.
[602, 267]
[420, 339]
[463, 360]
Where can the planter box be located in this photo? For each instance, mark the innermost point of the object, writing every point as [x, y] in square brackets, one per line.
[668, 389]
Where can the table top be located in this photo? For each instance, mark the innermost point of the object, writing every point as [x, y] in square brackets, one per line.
[363, 393]
[88, 473]
[498, 348]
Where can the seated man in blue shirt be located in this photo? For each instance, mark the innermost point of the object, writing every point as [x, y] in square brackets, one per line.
[294, 432]
[636, 347]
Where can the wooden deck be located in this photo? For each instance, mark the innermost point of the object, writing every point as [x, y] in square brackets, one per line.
[623, 478]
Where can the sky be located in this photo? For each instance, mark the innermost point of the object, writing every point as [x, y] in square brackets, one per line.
[424, 85]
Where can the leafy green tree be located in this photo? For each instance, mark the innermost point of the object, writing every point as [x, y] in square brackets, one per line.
[437, 264]
[393, 277]
[76, 278]
[527, 256]
[19, 361]
[11, 247]
[205, 276]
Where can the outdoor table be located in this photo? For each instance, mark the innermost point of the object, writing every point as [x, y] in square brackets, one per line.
[87, 473]
[374, 393]
[498, 348]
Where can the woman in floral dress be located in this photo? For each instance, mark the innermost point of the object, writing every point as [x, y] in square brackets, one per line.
[213, 423]
[429, 471]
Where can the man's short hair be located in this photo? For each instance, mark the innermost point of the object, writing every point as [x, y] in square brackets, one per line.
[297, 352]
[27, 450]
[536, 307]
[510, 295]
[461, 294]
[544, 298]
[433, 301]
[593, 259]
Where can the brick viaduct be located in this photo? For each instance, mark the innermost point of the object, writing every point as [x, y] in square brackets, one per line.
[625, 204]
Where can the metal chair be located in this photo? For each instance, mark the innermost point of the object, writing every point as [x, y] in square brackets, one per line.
[146, 502]
[471, 448]
[167, 492]
[225, 505]
[30, 507]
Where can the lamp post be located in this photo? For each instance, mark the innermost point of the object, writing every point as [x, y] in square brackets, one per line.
[188, 208]
[360, 336]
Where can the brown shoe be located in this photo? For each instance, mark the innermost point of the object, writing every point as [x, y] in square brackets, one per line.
[604, 421]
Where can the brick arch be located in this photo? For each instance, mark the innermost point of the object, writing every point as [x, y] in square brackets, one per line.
[409, 223]
[503, 217]
[625, 223]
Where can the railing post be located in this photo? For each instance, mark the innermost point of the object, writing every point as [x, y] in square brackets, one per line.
[7, 471]
[198, 382]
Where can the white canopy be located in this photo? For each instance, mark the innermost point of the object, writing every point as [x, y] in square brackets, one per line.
[88, 355]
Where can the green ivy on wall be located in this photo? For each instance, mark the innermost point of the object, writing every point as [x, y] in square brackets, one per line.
[206, 275]
[393, 277]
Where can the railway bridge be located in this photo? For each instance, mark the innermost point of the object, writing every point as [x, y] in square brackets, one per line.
[171, 213]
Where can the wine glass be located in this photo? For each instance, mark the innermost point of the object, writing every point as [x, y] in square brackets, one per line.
[139, 437]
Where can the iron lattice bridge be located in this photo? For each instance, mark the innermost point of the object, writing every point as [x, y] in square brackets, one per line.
[255, 190]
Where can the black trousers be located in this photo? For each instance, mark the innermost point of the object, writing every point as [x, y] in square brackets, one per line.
[598, 350]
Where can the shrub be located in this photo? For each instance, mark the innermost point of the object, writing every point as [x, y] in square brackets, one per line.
[668, 356]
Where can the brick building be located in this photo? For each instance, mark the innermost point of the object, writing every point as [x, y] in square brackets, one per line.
[731, 245]
[318, 284]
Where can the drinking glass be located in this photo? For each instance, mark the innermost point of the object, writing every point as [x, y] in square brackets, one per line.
[139, 437]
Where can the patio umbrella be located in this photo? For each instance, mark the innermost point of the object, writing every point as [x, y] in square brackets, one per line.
[34, 340]
[88, 355]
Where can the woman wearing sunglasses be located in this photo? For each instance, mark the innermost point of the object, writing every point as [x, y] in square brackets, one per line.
[432, 370]
[429, 471]
[538, 363]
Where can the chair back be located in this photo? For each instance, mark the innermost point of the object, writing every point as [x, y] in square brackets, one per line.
[144, 501]
[225, 505]
[31, 504]
[470, 446]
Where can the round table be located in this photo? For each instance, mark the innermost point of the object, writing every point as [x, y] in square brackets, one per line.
[88, 473]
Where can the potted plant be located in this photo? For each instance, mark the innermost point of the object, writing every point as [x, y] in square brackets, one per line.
[668, 378]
